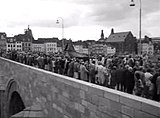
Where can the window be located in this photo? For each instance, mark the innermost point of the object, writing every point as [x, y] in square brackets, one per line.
[13, 45]
[29, 44]
[8, 45]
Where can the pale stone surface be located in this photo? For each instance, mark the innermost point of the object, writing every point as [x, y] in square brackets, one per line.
[67, 97]
[82, 94]
[130, 102]
[84, 103]
[151, 109]
[128, 111]
[111, 96]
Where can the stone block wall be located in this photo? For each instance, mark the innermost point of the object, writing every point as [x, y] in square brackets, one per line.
[65, 97]
[1, 103]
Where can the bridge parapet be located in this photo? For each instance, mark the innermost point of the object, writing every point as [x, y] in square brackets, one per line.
[65, 97]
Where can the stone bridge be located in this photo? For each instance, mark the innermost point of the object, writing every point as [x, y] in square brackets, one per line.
[34, 93]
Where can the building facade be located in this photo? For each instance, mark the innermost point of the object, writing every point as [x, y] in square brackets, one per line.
[38, 46]
[3, 41]
[19, 45]
[11, 44]
[124, 42]
[147, 46]
[50, 47]
[45, 45]
[156, 45]
[81, 47]
[25, 40]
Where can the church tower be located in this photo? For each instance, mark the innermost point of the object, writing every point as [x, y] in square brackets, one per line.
[102, 35]
[28, 33]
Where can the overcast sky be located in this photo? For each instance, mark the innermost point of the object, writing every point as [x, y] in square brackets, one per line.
[83, 19]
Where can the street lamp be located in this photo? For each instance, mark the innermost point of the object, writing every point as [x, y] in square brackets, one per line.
[62, 25]
[62, 30]
[140, 20]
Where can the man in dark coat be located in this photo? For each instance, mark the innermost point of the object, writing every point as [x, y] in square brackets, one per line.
[129, 80]
[70, 72]
[153, 80]
[113, 77]
[120, 78]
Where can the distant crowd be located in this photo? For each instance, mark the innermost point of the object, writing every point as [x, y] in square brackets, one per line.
[136, 75]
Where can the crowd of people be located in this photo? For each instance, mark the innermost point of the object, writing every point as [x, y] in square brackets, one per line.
[136, 75]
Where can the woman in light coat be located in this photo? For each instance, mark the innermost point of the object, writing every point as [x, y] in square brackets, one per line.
[83, 72]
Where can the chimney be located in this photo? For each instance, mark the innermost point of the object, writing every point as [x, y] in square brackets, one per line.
[112, 31]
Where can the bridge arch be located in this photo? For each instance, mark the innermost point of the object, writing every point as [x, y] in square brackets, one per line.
[14, 101]
[15, 104]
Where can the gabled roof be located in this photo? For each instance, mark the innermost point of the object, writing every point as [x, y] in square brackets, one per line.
[78, 43]
[154, 39]
[81, 43]
[2, 33]
[69, 47]
[48, 40]
[20, 37]
[45, 40]
[23, 37]
[117, 37]
[11, 40]
[37, 42]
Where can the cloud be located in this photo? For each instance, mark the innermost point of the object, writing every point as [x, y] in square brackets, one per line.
[81, 14]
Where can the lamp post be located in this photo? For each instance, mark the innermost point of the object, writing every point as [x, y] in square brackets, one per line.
[140, 22]
[62, 30]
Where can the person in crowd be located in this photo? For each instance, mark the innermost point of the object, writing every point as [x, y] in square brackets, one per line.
[56, 69]
[148, 84]
[154, 79]
[49, 63]
[101, 74]
[53, 64]
[139, 82]
[83, 72]
[158, 88]
[76, 69]
[119, 77]
[131, 61]
[113, 77]
[136, 66]
[70, 72]
[92, 72]
[66, 65]
[129, 80]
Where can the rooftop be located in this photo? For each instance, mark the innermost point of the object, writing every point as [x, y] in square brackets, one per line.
[118, 37]
[45, 40]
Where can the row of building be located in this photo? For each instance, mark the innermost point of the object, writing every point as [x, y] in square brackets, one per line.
[119, 43]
